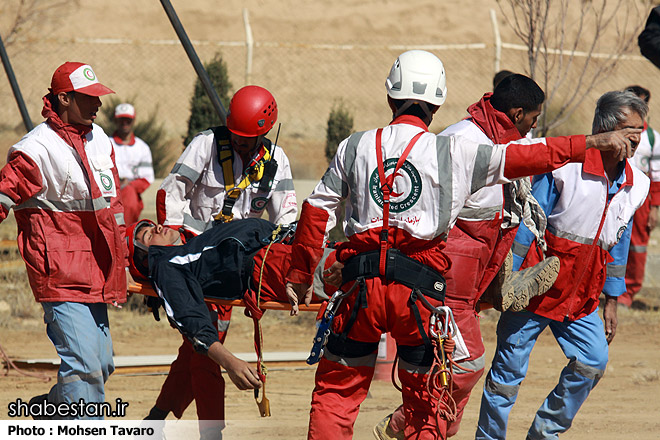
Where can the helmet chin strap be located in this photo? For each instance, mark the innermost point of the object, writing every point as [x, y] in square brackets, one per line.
[422, 104]
[257, 146]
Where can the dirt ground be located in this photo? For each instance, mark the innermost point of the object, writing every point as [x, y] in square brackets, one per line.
[623, 406]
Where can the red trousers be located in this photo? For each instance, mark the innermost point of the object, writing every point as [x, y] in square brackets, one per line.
[477, 250]
[463, 380]
[342, 383]
[132, 201]
[639, 240]
[195, 376]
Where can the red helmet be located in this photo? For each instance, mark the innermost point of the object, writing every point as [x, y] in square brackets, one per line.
[252, 112]
[139, 269]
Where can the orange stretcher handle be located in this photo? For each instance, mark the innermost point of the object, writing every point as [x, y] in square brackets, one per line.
[145, 289]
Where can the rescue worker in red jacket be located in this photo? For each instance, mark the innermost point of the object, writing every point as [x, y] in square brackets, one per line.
[646, 217]
[480, 242]
[589, 207]
[62, 182]
[134, 162]
[396, 225]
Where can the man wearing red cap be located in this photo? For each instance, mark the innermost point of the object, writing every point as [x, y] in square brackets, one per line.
[225, 173]
[62, 182]
[134, 163]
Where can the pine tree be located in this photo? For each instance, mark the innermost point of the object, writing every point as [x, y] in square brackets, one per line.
[202, 113]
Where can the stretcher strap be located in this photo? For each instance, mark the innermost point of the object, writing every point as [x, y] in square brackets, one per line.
[264, 404]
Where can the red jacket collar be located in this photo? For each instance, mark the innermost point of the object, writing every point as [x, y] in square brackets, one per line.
[495, 124]
[65, 131]
[411, 120]
[120, 141]
[593, 164]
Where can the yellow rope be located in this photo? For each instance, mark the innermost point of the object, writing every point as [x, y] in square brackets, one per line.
[264, 405]
[263, 262]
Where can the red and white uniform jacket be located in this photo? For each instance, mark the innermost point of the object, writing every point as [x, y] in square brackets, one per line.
[194, 191]
[134, 162]
[588, 230]
[62, 183]
[429, 191]
[647, 159]
[474, 242]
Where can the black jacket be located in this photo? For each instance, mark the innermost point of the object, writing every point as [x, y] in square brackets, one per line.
[649, 39]
[216, 264]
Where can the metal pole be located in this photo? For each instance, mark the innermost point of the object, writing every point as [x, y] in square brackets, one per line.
[14, 87]
[498, 40]
[194, 59]
[249, 44]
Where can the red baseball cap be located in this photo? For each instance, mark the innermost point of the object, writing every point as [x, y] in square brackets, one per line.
[77, 77]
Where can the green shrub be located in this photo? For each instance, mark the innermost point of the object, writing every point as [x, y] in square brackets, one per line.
[340, 126]
[148, 128]
[202, 113]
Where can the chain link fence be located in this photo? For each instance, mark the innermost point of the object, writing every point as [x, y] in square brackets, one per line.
[306, 80]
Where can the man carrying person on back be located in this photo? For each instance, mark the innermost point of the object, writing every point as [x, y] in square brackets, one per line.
[589, 207]
[479, 243]
[404, 188]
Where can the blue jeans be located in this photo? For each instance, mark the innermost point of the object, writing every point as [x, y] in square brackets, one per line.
[584, 345]
[81, 335]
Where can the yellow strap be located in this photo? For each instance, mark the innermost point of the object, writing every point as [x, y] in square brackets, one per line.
[227, 168]
[228, 171]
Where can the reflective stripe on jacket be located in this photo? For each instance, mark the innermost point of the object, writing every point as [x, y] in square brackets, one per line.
[69, 216]
[194, 191]
[440, 173]
[577, 200]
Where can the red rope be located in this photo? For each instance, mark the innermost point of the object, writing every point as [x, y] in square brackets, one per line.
[441, 372]
[9, 364]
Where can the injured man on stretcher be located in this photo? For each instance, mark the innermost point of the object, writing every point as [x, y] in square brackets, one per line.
[244, 259]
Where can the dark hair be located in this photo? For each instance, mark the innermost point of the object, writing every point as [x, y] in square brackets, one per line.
[499, 76]
[414, 109]
[610, 108]
[516, 91]
[640, 91]
[140, 256]
[55, 101]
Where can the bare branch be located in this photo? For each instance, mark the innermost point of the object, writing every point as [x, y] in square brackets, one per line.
[562, 39]
[32, 13]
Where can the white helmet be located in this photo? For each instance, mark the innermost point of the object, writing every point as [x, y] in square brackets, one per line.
[417, 75]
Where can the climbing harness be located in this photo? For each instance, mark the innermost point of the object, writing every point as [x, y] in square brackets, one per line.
[262, 168]
[387, 184]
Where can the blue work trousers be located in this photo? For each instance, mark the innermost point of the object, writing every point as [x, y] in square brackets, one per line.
[584, 345]
[81, 335]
